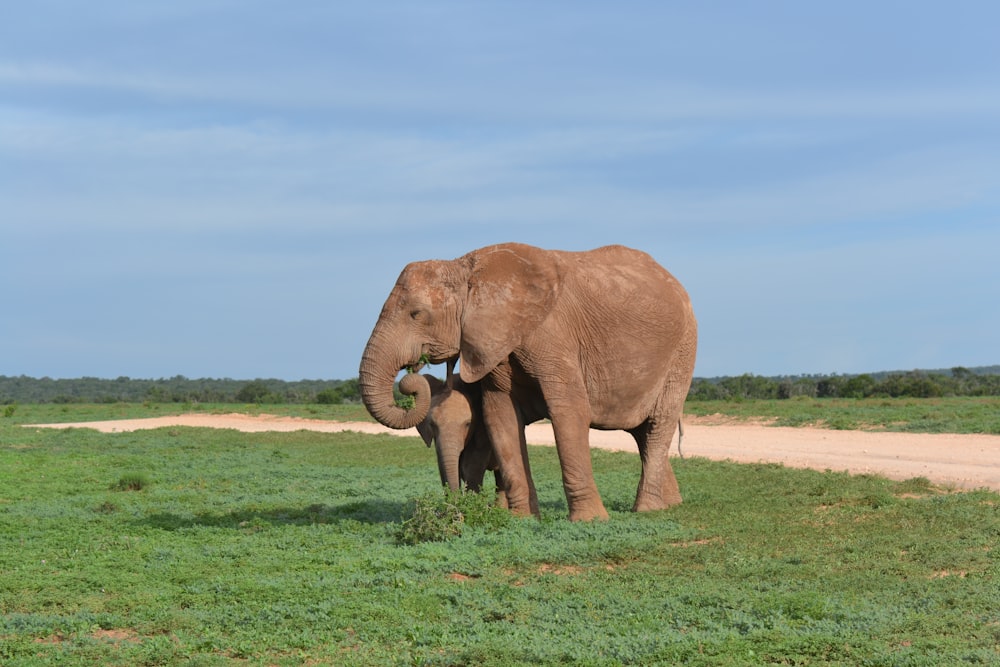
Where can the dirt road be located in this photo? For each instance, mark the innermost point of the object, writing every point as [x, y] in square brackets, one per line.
[966, 461]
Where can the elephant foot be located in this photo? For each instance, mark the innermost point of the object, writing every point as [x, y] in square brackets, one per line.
[521, 509]
[593, 513]
[523, 512]
[649, 504]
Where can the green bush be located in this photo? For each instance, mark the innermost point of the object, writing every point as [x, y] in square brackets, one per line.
[347, 391]
[133, 481]
[255, 392]
[437, 516]
[329, 397]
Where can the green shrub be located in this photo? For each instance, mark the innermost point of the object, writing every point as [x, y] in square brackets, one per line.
[914, 485]
[329, 397]
[133, 481]
[481, 512]
[437, 517]
[257, 392]
[9, 411]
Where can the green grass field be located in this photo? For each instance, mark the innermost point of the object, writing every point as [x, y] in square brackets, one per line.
[55, 413]
[964, 414]
[285, 549]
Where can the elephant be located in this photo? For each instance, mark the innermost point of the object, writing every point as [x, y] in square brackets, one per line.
[604, 339]
[454, 427]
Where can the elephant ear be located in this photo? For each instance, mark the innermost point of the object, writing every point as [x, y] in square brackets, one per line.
[424, 428]
[512, 288]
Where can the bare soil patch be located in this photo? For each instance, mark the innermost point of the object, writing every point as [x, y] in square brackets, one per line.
[959, 460]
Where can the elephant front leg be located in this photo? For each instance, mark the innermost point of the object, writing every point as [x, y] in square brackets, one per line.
[506, 431]
[572, 434]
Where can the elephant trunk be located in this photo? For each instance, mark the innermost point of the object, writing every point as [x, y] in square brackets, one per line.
[448, 466]
[375, 380]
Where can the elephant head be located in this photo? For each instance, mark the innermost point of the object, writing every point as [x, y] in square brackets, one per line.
[477, 308]
[454, 426]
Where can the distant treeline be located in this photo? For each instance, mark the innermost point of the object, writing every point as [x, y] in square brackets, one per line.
[959, 381]
[177, 389]
[984, 381]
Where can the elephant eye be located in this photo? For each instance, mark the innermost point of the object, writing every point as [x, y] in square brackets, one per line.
[418, 315]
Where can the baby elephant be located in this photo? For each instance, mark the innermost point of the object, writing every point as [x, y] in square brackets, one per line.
[454, 425]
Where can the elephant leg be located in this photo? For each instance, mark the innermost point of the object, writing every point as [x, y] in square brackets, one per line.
[501, 499]
[506, 431]
[658, 487]
[532, 493]
[572, 432]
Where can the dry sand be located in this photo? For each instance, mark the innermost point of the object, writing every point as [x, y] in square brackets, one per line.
[966, 461]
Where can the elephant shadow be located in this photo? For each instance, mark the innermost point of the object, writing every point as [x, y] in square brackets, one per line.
[370, 512]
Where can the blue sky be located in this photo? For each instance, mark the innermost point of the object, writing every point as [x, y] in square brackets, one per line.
[230, 189]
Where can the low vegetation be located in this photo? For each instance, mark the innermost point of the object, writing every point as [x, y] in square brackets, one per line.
[177, 389]
[914, 415]
[438, 516]
[959, 381]
[302, 549]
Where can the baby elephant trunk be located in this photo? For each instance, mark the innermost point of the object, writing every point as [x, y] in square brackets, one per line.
[448, 467]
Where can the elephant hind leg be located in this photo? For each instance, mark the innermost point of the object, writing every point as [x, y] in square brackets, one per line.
[658, 487]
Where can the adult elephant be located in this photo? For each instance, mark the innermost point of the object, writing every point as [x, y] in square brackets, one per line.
[604, 338]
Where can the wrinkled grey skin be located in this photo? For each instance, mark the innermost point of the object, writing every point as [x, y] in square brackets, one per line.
[599, 339]
[454, 427]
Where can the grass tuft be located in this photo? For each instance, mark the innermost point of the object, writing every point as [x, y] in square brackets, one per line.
[132, 481]
[914, 486]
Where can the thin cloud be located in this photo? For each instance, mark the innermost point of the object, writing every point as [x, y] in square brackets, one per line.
[612, 101]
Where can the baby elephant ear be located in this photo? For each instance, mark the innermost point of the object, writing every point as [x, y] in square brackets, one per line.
[511, 290]
[424, 428]
[425, 431]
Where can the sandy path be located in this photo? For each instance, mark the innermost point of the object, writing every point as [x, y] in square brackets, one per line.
[967, 461]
